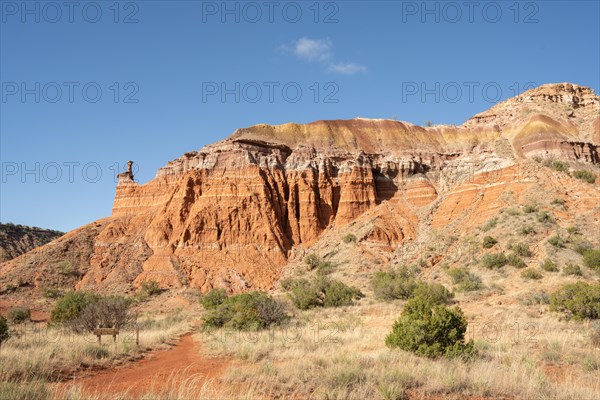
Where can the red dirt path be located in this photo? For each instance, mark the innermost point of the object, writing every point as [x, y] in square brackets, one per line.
[154, 374]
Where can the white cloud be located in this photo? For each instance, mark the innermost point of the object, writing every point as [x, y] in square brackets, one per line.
[347, 68]
[321, 50]
[313, 49]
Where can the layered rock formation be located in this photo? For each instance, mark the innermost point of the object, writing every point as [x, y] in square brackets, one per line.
[18, 239]
[233, 213]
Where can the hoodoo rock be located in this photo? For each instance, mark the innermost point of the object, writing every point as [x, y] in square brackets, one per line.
[232, 213]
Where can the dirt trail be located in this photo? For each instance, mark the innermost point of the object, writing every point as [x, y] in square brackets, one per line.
[155, 374]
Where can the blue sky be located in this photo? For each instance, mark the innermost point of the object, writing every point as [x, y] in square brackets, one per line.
[88, 88]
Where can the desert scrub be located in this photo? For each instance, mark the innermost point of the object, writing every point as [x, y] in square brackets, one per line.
[558, 202]
[19, 315]
[349, 238]
[397, 283]
[4, 334]
[544, 217]
[325, 268]
[312, 261]
[51, 293]
[521, 249]
[571, 269]
[490, 224]
[430, 330]
[527, 230]
[433, 293]
[531, 273]
[320, 292]
[494, 260]
[515, 261]
[150, 287]
[71, 305]
[489, 242]
[584, 175]
[579, 300]
[213, 298]
[556, 241]
[465, 280]
[530, 208]
[549, 266]
[247, 311]
[535, 298]
[591, 259]
[560, 166]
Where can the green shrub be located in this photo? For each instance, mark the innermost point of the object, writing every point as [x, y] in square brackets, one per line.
[71, 305]
[394, 284]
[494, 260]
[558, 202]
[544, 217]
[530, 273]
[312, 260]
[465, 280]
[521, 249]
[325, 268]
[321, 292]
[18, 315]
[556, 241]
[150, 287]
[349, 238]
[433, 293]
[515, 261]
[489, 242]
[214, 298]
[530, 208]
[535, 298]
[572, 269]
[527, 230]
[4, 334]
[582, 246]
[96, 351]
[490, 224]
[106, 312]
[595, 334]
[591, 259]
[430, 330]
[338, 294]
[560, 166]
[247, 311]
[51, 293]
[579, 300]
[584, 175]
[549, 266]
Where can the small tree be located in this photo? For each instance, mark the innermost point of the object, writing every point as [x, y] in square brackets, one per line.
[70, 306]
[430, 330]
[213, 298]
[108, 312]
[19, 314]
[3, 330]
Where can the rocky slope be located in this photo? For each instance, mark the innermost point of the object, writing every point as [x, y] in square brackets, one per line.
[235, 213]
[18, 239]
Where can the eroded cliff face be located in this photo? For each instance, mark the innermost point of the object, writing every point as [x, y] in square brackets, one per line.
[233, 213]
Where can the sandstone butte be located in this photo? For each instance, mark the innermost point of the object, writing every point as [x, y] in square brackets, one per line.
[234, 213]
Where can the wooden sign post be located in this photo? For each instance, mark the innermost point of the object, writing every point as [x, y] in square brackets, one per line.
[99, 332]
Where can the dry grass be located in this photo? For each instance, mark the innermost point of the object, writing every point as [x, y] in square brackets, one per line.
[341, 354]
[34, 354]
